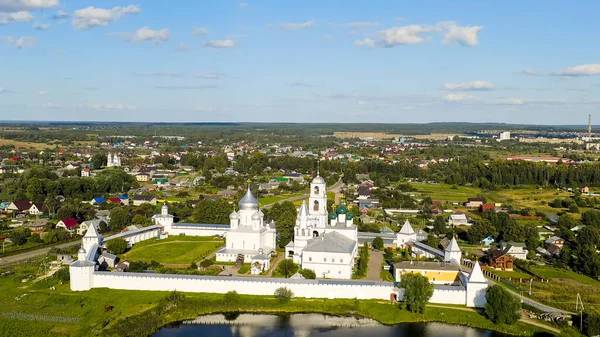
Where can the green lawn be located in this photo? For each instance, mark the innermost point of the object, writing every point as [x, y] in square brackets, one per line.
[277, 198]
[445, 192]
[548, 272]
[506, 274]
[174, 250]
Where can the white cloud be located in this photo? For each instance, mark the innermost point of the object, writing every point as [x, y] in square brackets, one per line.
[182, 47]
[362, 24]
[41, 26]
[23, 16]
[580, 70]
[328, 37]
[416, 34]
[61, 15]
[243, 5]
[22, 42]
[457, 97]
[200, 31]
[91, 16]
[43, 93]
[470, 86]
[94, 106]
[362, 103]
[19, 5]
[301, 84]
[209, 76]
[220, 43]
[2, 89]
[291, 26]
[466, 35]
[365, 43]
[508, 101]
[146, 34]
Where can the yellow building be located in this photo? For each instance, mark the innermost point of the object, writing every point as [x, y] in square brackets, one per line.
[437, 272]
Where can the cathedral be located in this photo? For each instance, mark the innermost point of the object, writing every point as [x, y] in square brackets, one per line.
[326, 244]
[113, 160]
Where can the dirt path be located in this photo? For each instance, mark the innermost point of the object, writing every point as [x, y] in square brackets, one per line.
[374, 271]
[449, 307]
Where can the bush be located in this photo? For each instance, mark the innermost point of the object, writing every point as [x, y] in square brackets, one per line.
[286, 268]
[206, 263]
[231, 298]
[62, 275]
[283, 295]
[244, 269]
[308, 274]
[193, 265]
[116, 246]
[502, 307]
[378, 243]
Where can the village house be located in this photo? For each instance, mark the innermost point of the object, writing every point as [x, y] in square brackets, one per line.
[500, 260]
[515, 249]
[555, 240]
[68, 224]
[19, 206]
[36, 208]
[144, 199]
[458, 219]
[475, 202]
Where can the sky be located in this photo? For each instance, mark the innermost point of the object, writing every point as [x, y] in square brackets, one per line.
[534, 62]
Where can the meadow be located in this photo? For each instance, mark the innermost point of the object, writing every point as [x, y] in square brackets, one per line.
[174, 250]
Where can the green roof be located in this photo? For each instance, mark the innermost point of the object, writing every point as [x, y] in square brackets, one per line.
[333, 216]
[349, 216]
[342, 209]
[282, 180]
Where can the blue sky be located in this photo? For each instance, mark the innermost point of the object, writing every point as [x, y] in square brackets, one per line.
[299, 61]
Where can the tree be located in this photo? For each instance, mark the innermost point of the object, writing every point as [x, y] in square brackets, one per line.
[439, 225]
[591, 324]
[141, 220]
[283, 295]
[502, 307]
[287, 268]
[116, 246]
[19, 236]
[212, 211]
[231, 298]
[378, 243]
[574, 208]
[479, 231]
[308, 274]
[588, 236]
[284, 214]
[102, 227]
[432, 241]
[417, 291]
[119, 218]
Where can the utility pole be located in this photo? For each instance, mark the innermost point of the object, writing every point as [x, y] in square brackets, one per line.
[578, 302]
[530, 283]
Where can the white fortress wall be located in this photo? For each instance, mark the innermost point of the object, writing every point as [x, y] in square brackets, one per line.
[243, 285]
[449, 295]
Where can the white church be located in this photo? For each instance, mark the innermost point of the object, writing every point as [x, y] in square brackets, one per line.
[113, 160]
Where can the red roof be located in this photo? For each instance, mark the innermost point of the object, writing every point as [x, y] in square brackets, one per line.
[70, 223]
[114, 200]
[22, 205]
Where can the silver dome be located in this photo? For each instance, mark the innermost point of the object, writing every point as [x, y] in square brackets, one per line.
[81, 251]
[248, 202]
[234, 215]
[256, 216]
[318, 180]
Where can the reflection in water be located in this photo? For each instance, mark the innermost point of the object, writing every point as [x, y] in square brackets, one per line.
[305, 325]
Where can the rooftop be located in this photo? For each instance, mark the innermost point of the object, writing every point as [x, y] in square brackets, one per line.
[332, 242]
[420, 265]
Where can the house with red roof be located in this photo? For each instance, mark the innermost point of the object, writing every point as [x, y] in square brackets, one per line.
[68, 224]
[113, 201]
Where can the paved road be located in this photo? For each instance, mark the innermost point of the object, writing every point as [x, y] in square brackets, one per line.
[334, 188]
[374, 271]
[34, 253]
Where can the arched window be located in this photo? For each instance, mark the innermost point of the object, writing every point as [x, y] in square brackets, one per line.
[316, 189]
[316, 206]
[315, 234]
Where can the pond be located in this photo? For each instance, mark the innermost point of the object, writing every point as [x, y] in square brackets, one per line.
[303, 325]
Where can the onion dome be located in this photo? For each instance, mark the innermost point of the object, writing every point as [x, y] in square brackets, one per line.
[333, 216]
[234, 215]
[349, 216]
[256, 216]
[248, 202]
[342, 209]
[81, 251]
[318, 180]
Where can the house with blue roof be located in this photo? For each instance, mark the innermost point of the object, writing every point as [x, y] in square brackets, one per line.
[98, 200]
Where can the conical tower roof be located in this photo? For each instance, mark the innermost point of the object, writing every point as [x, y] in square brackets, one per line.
[407, 229]
[477, 275]
[92, 232]
[248, 202]
[304, 209]
[453, 246]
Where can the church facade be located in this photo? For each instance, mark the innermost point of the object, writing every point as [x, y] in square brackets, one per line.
[326, 244]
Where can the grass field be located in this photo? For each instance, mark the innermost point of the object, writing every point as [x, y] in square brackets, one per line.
[174, 250]
[506, 274]
[23, 145]
[445, 192]
[277, 198]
